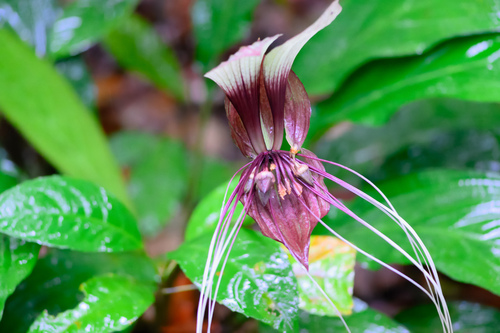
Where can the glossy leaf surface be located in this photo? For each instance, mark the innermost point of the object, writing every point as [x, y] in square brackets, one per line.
[54, 283]
[137, 47]
[465, 68]
[466, 317]
[425, 134]
[68, 213]
[363, 320]
[84, 22]
[58, 125]
[331, 264]
[218, 25]
[454, 212]
[17, 259]
[257, 281]
[158, 176]
[122, 299]
[31, 20]
[367, 30]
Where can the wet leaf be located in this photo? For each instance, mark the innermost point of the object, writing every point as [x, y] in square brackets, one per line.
[111, 303]
[465, 68]
[31, 20]
[53, 284]
[76, 72]
[85, 22]
[17, 259]
[137, 47]
[454, 212]
[257, 280]
[331, 264]
[68, 213]
[158, 176]
[419, 136]
[367, 30]
[466, 317]
[363, 320]
[218, 25]
[207, 213]
[58, 125]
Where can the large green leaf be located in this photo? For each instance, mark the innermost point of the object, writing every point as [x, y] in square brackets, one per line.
[52, 118]
[378, 28]
[30, 19]
[218, 25]
[17, 259]
[68, 213]
[158, 176]
[137, 47]
[111, 303]
[363, 320]
[454, 212]
[76, 72]
[465, 68]
[53, 284]
[425, 134]
[84, 22]
[205, 216]
[257, 280]
[467, 317]
[331, 264]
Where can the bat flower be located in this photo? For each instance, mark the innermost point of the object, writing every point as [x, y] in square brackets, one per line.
[284, 191]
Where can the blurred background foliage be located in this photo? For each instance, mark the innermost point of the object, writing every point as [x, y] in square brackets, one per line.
[110, 137]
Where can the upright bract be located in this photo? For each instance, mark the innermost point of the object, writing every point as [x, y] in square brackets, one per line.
[285, 191]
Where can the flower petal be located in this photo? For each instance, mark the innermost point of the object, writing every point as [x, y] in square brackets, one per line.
[287, 220]
[239, 78]
[297, 112]
[278, 63]
[238, 131]
[266, 116]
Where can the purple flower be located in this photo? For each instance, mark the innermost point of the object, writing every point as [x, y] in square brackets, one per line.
[284, 191]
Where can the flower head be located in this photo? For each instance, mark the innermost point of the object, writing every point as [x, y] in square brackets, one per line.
[264, 98]
[284, 191]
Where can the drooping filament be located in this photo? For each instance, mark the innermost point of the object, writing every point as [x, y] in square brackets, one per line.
[287, 197]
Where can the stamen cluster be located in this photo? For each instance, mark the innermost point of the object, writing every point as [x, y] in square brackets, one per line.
[282, 195]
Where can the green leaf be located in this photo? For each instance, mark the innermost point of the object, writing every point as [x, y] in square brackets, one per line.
[465, 68]
[214, 172]
[68, 213]
[419, 136]
[85, 22]
[9, 173]
[257, 280]
[454, 212]
[205, 216]
[17, 259]
[158, 176]
[366, 30]
[52, 118]
[111, 303]
[137, 47]
[467, 317]
[53, 284]
[218, 25]
[31, 20]
[331, 264]
[76, 72]
[363, 320]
